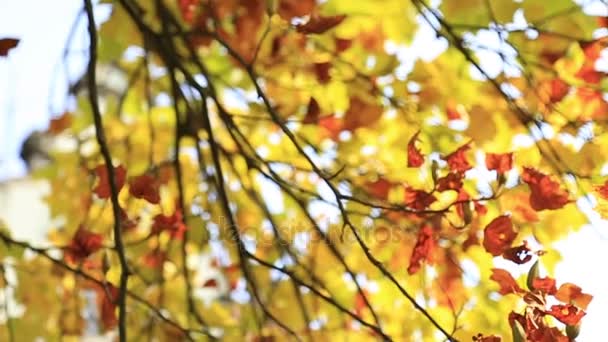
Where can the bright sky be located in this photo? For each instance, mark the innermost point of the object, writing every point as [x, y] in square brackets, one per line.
[33, 84]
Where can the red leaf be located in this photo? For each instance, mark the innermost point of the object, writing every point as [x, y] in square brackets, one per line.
[188, 9]
[6, 44]
[457, 160]
[418, 199]
[313, 112]
[210, 283]
[567, 314]
[379, 188]
[545, 193]
[146, 187]
[519, 254]
[570, 293]
[319, 24]
[424, 246]
[288, 9]
[558, 90]
[83, 244]
[155, 258]
[414, 156]
[506, 282]
[173, 224]
[126, 222]
[343, 44]
[498, 235]
[544, 285]
[322, 72]
[602, 190]
[452, 181]
[102, 190]
[453, 112]
[107, 296]
[499, 162]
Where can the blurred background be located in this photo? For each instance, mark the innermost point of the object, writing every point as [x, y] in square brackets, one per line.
[51, 56]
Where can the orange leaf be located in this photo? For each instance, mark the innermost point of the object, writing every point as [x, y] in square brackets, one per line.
[570, 293]
[506, 282]
[379, 188]
[361, 113]
[567, 314]
[544, 285]
[59, 124]
[332, 125]
[6, 44]
[545, 193]
[102, 190]
[457, 160]
[499, 162]
[498, 235]
[424, 246]
[83, 244]
[319, 24]
[414, 156]
[146, 187]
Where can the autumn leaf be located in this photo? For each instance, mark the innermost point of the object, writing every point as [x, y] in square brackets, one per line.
[423, 249]
[602, 190]
[83, 244]
[102, 190]
[567, 314]
[319, 24]
[173, 224]
[414, 156]
[545, 192]
[519, 254]
[418, 199]
[154, 259]
[571, 293]
[506, 282]
[457, 160]
[322, 72]
[61, 123]
[7, 44]
[545, 285]
[379, 188]
[498, 235]
[107, 296]
[361, 114]
[289, 9]
[211, 283]
[499, 162]
[313, 112]
[558, 89]
[452, 181]
[145, 187]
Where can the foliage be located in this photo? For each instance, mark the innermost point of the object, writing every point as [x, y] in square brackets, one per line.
[291, 169]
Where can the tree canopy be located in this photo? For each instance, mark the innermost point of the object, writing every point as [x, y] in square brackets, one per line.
[269, 170]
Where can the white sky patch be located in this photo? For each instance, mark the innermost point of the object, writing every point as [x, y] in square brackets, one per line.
[271, 193]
